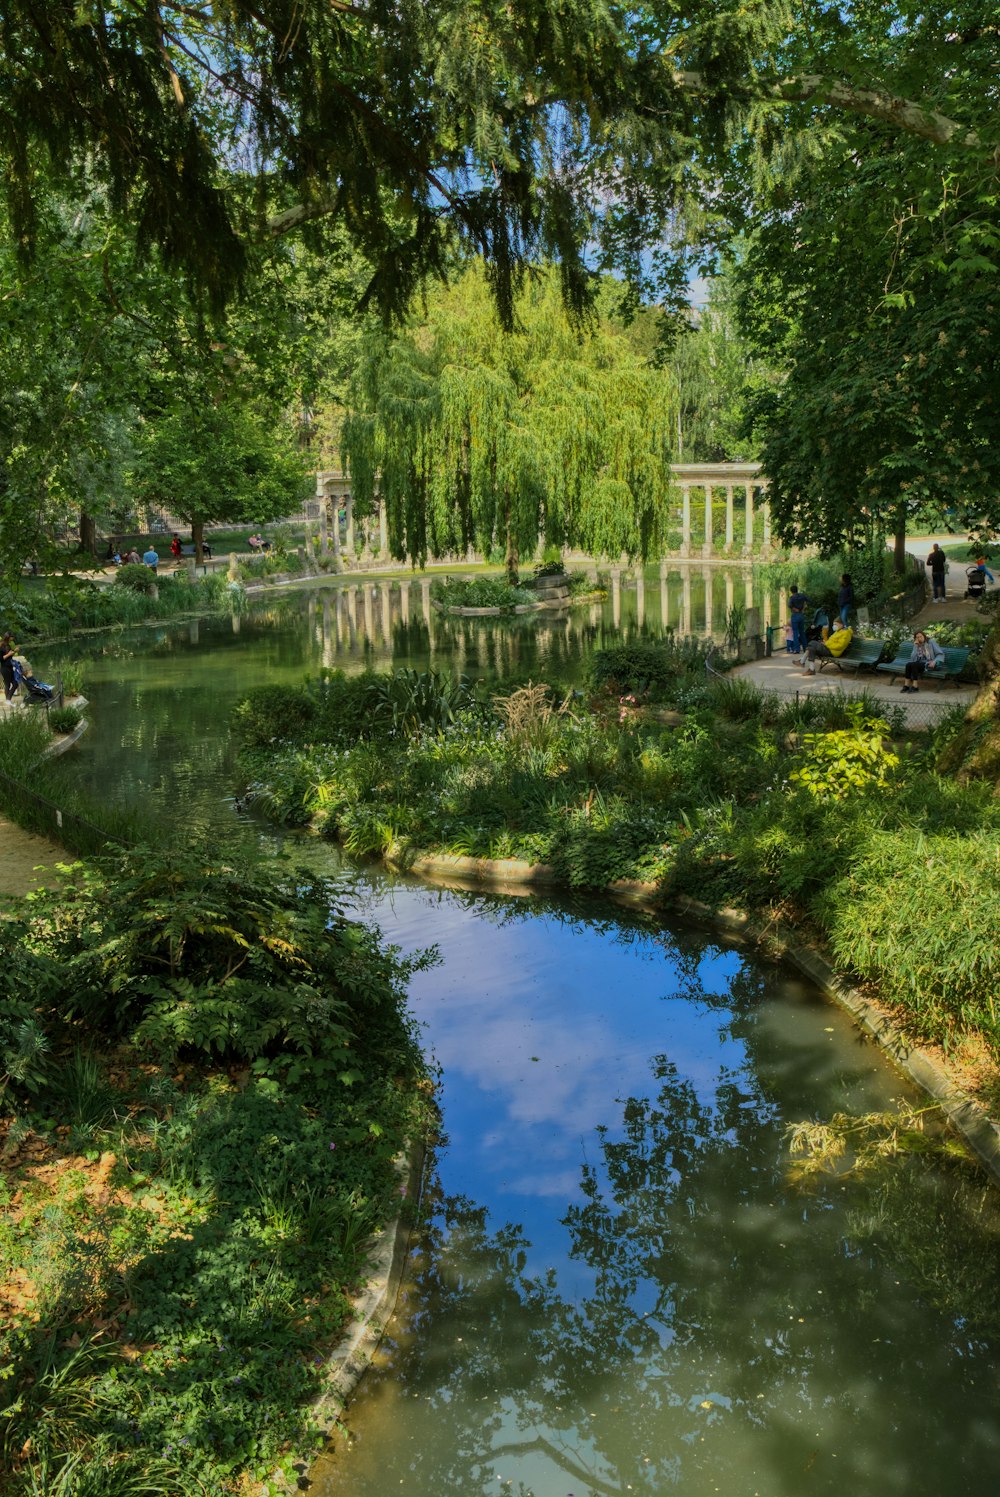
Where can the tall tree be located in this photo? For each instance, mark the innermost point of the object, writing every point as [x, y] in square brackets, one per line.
[221, 462]
[878, 297]
[474, 437]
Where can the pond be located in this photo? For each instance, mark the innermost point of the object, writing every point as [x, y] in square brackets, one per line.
[163, 695]
[622, 1286]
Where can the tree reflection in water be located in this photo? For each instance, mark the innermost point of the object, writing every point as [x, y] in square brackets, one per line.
[738, 1334]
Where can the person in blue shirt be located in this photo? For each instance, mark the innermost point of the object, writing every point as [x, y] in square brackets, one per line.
[797, 605]
[150, 559]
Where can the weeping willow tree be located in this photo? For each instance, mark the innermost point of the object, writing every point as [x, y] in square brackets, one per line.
[471, 436]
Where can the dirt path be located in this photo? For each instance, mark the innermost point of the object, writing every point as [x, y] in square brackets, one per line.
[26, 861]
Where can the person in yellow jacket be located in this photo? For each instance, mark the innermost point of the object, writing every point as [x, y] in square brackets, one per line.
[836, 642]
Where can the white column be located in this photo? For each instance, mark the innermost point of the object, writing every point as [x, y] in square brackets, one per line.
[616, 596]
[664, 595]
[640, 595]
[349, 537]
[324, 538]
[766, 511]
[404, 600]
[425, 600]
[686, 601]
[706, 549]
[707, 576]
[336, 527]
[686, 519]
[729, 517]
[383, 532]
[366, 592]
[384, 589]
[748, 587]
[730, 590]
[748, 545]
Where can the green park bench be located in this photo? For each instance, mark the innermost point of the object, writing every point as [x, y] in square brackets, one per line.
[861, 654]
[955, 661]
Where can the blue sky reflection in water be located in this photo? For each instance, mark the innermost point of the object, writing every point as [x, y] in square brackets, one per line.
[622, 1290]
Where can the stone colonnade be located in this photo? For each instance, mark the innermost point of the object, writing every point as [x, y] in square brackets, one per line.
[333, 488]
[743, 487]
[707, 478]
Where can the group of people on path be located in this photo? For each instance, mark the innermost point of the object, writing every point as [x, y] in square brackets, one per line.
[926, 655]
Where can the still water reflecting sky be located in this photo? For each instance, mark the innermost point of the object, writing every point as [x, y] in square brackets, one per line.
[621, 1289]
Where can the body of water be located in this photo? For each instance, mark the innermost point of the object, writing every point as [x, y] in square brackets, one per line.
[622, 1287]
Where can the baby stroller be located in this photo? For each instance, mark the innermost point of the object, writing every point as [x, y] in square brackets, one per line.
[820, 621]
[976, 579]
[34, 691]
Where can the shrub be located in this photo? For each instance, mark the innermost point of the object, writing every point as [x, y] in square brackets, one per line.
[136, 577]
[652, 669]
[917, 914]
[479, 592]
[64, 719]
[853, 759]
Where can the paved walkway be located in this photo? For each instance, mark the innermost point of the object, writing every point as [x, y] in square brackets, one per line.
[783, 674]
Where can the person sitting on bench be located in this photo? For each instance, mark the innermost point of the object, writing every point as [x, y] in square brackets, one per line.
[927, 655]
[835, 644]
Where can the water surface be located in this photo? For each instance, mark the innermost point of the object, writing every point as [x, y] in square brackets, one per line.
[622, 1289]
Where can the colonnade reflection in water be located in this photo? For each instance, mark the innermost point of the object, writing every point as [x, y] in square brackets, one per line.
[395, 619]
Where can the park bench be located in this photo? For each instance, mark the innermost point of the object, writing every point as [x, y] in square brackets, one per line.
[861, 654]
[955, 661]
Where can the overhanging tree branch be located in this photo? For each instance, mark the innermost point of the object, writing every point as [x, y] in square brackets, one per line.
[813, 88]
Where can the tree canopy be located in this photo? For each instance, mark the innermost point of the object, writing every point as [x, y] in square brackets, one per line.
[474, 437]
[580, 130]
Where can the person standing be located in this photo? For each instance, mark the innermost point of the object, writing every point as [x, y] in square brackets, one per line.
[797, 604]
[926, 656]
[987, 575]
[845, 597]
[150, 559]
[175, 548]
[938, 563]
[8, 649]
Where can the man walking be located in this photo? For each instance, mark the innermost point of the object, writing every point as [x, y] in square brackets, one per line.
[938, 562]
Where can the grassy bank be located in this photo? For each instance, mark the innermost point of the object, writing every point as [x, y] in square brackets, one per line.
[206, 1074]
[810, 810]
[53, 608]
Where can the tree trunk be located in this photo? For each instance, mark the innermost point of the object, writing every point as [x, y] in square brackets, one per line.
[88, 533]
[512, 556]
[198, 536]
[899, 548]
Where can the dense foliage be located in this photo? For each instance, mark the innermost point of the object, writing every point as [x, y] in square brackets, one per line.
[59, 605]
[232, 1071]
[477, 437]
[479, 592]
[738, 798]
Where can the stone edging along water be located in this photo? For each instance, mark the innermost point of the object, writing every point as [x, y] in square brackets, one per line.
[371, 1309]
[970, 1119]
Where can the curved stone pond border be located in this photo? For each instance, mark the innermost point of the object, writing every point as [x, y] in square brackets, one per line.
[65, 741]
[973, 1122]
[371, 1309]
